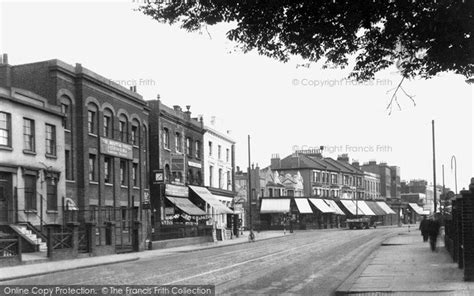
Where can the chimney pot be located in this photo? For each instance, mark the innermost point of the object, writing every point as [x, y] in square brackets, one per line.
[5, 58]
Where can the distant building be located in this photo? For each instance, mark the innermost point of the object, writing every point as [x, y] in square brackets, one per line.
[390, 187]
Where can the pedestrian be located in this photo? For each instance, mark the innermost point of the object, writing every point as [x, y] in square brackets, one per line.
[424, 228]
[433, 232]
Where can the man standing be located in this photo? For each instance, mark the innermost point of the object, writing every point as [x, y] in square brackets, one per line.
[424, 228]
[433, 232]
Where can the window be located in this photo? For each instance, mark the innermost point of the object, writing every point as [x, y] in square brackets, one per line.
[5, 129]
[135, 135]
[197, 149]
[210, 148]
[107, 125]
[229, 183]
[108, 178]
[219, 152]
[123, 172]
[29, 134]
[30, 192]
[91, 120]
[135, 174]
[221, 184]
[52, 194]
[166, 138]
[227, 155]
[270, 192]
[123, 132]
[177, 142]
[66, 110]
[68, 160]
[92, 167]
[188, 147]
[333, 179]
[50, 139]
[211, 171]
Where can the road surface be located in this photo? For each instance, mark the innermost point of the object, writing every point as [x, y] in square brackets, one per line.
[304, 263]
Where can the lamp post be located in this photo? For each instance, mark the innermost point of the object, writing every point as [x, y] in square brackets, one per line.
[455, 173]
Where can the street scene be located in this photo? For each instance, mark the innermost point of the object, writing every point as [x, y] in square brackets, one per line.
[236, 148]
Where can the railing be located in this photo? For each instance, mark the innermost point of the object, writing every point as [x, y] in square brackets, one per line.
[181, 231]
[10, 246]
[63, 239]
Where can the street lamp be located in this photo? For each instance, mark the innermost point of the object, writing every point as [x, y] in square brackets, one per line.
[455, 173]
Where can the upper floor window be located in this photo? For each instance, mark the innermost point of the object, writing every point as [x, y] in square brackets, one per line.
[333, 179]
[5, 129]
[50, 139]
[177, 142]
[188, 147]
[67, 111]
[211, 177]
[68, 164]
[108, 170]
[123, 172]
[210, 148]
[227, 155]
[197, 149]
[123, 130]
[221, 183]
[135, 174]
[92, 119]
[92, 167]
[166, 138]
[135, 136]
[219, 155]
[29, 134]
[108, 123]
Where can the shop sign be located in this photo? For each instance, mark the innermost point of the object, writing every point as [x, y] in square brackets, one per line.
[177, 163]
[116, 148]
[169, 211]
[158, 177]
[175, 190]
[194, 164]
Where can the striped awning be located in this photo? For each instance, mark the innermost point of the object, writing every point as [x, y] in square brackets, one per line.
[334, 206]
[210, 199]
[385, 207]
[322, 206]
[186, 206]
[275, 205]
[352, 207]
[376, 208]
[303, 206]
[416, 208]
[365, 208]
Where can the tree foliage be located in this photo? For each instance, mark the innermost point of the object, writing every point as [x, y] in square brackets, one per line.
[422, 37]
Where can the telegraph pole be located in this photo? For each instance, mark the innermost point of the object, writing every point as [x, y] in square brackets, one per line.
[434, 166]
[249, 188]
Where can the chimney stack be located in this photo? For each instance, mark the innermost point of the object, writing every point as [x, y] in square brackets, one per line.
[5, 59]
[275, 162]
[177, 108]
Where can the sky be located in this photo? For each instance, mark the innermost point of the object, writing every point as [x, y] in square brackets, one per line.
[282, 106]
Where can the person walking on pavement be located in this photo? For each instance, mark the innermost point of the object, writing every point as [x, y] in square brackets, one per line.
[424, 228]
[433, 232]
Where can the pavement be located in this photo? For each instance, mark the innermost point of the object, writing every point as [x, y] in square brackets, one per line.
[29, 270]
[405, 265]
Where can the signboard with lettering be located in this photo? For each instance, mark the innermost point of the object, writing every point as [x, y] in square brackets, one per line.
[177, 163]
[194, 164]
[175, 190]
[116, 148]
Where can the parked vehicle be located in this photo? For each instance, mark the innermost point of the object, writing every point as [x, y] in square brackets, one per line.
[360, 223]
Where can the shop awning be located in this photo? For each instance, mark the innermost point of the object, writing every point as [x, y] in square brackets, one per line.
[351, 207]
[376, 208]
[186, 206]
[303, 206]
[274, 205]
[416, 208]
[385, 207]
[365, 208]
[334, 206]
[210, 199]
[322, 206]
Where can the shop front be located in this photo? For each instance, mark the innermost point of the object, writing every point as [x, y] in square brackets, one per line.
[274, 213]
[323, 212]
[181, 218]
[306, 218]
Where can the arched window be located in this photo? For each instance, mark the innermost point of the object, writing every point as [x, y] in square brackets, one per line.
[66, 109]
[123, 128]
[92, 113]
[108, 123]
[135, 137]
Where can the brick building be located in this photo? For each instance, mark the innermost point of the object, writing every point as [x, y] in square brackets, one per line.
[176, 154]
[105, 143]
